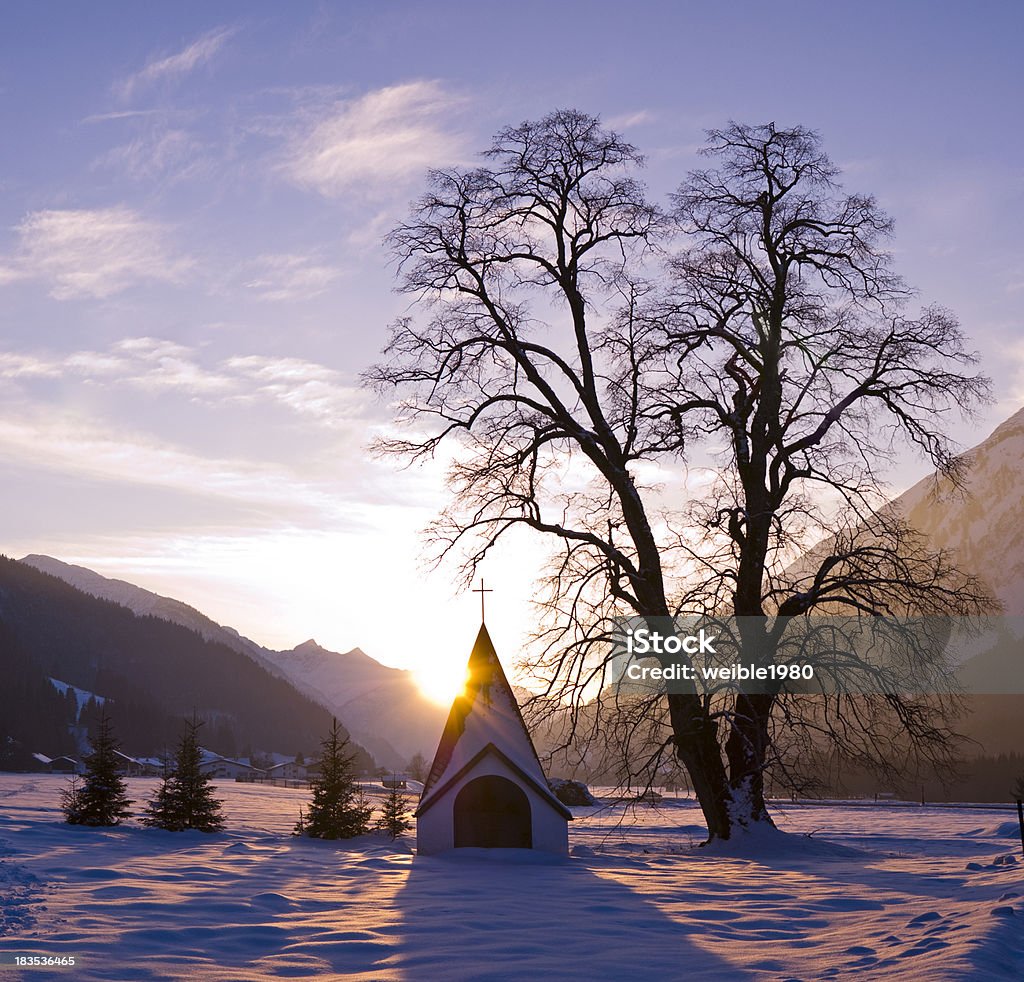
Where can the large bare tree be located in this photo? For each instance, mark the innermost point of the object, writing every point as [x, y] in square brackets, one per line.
[567, 369]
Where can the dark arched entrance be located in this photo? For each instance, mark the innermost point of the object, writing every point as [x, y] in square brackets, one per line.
[492, 812]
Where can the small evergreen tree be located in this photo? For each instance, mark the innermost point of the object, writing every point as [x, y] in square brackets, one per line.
[185, 798]
[102, 798]
[338, 809]
[70, 800]
[1018, 789]
[392, 820]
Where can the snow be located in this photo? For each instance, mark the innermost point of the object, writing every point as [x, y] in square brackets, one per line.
[82, 696]
[880, 892]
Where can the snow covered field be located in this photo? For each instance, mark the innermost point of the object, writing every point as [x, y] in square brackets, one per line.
[875, 893]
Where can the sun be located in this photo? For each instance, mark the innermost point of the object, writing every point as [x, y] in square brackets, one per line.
[441, 681]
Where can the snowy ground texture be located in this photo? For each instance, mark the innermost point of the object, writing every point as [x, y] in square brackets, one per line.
[882, 892]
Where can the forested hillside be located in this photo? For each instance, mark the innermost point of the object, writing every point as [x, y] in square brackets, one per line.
[152, 671]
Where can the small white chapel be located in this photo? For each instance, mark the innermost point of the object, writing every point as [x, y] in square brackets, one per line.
[486, 787]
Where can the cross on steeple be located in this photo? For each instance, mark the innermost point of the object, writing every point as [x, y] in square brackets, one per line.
[482, 591]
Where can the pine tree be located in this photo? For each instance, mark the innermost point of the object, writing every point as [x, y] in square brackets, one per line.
[338, 810]
[102, 799]
[1018, 789]
[70, 800]
[185, 798]
[392, 820]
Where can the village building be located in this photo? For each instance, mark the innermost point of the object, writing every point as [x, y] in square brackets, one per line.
[58, 765]
[129, 766]
[227, 769]
[288, 770]
[486, 787]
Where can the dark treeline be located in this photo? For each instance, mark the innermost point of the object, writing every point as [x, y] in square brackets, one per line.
[154, 673]
[981, 778]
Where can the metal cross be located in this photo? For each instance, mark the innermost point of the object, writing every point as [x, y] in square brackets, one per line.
[482, 591]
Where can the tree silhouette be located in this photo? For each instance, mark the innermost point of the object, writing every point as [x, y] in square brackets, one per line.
[102, 798]
[418, 767]
[337, 810]
[775, 350]
[185, 798]
[392, 820]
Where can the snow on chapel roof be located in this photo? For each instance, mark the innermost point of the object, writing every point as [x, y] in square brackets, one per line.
[485, 717]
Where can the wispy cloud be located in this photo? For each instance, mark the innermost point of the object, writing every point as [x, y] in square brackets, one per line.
[73, 445]
[303, 387]
[176, 66]
[125, 114]
[384, 135]
[626, 121]
[153, 363]
[95, 253]
[288, 277]
[11, 274]
[14, 365]
[156, 153]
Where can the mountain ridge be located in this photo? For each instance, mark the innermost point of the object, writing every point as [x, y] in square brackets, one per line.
[154, 670]
[335, 680]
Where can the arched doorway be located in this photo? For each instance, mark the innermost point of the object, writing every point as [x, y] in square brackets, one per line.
[492, 812]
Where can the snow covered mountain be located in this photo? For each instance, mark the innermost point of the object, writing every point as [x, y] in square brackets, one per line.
[985, 527]
[143, 602]
[55, 638]
[381, 707]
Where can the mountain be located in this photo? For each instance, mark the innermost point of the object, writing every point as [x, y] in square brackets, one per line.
[982, 526]
[153, 672]
[382, 708]
[985, 527]
[143, 602]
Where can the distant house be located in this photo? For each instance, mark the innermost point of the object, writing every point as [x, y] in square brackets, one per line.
[58, 765]
[288, 771]
[129, 766]
[227, 769]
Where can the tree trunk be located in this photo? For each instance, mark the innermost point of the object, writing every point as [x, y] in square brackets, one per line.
[697, 747]
[747, 749]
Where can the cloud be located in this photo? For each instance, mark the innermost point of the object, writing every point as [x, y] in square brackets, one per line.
[124, 114]
[289, 277]
[152, 363]
[625, 121]
[11, 274]
[13, 365]
[69, 444]
[95, 253]
[176, 66]
[305, 388]
[155, 153]
[385, 135]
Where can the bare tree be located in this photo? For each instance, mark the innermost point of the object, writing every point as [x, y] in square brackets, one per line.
[562, 373]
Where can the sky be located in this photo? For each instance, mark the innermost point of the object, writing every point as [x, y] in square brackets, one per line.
[193, 199]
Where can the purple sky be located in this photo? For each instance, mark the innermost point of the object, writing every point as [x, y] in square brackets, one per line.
[191, 274]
